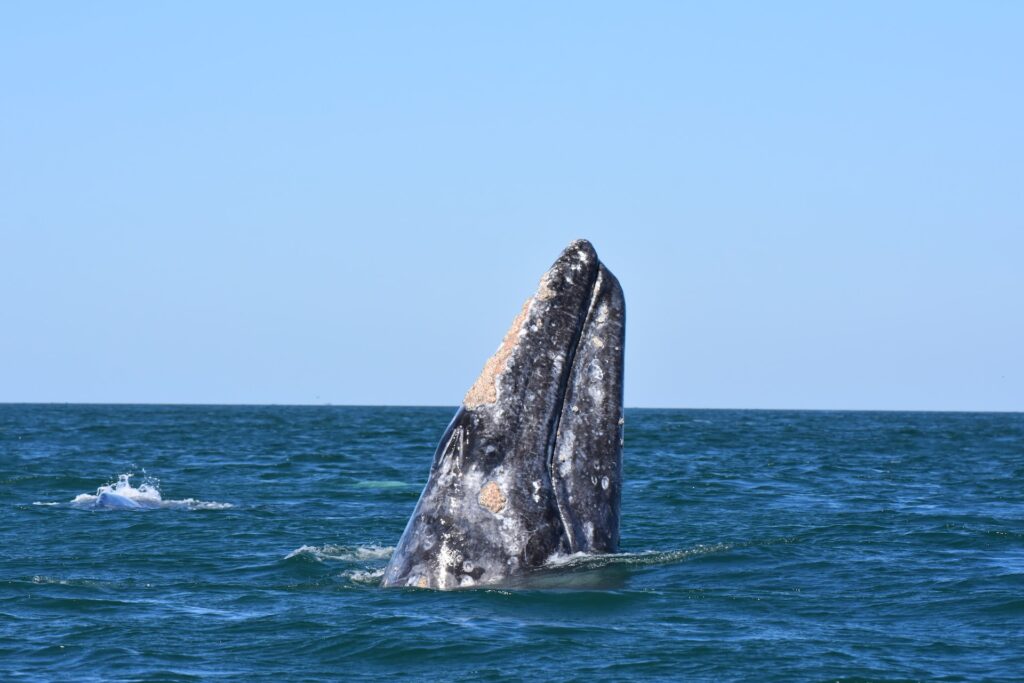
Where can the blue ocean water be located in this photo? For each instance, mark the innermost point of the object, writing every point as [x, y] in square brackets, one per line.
[757, 545]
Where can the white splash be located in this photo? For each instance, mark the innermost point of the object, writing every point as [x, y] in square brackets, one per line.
[364, 576]
[122, 495]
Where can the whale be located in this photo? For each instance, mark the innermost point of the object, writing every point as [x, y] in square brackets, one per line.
[108, 499]
[530, 466]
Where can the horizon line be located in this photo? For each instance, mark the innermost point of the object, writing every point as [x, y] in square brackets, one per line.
[456, 407]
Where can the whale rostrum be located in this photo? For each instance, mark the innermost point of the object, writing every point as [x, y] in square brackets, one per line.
[531, 464]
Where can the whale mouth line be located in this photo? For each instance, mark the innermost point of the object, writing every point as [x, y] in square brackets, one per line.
[558, 408]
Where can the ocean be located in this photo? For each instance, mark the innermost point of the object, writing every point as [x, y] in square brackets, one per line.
[756, 546]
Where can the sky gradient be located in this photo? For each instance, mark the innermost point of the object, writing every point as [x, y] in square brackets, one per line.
[809, 205]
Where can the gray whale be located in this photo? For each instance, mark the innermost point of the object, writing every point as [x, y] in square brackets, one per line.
[108, 499]
[531, 464]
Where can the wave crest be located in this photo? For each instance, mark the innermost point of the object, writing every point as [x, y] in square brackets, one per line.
[366, 577]
[645, 558]
[343, 553]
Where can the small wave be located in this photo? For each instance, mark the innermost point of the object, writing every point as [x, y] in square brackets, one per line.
[344, 553]
[43, 580]
[49, 580]
[122, 495]
[369, 577]
[381, 484]
[193, 504]
[648, 557]
[365, 557]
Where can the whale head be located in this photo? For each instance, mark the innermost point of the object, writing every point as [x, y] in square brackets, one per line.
[531, 464]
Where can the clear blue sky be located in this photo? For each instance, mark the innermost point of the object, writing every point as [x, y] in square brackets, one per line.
[809, 205]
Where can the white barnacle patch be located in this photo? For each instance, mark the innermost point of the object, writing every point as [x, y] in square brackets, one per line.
[536, 491]
[448, 558]
[588, 530]
[467, 566]
[602, 313]
[595, 387]
[604, 483]
[566, 446]
[597, 342]
[512, 535]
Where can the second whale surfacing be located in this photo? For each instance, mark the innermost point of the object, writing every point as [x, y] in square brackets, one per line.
[531, 464]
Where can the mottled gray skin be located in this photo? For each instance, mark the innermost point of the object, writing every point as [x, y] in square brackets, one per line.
[531, 464]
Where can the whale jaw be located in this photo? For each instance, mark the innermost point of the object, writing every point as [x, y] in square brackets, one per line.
[531, 464]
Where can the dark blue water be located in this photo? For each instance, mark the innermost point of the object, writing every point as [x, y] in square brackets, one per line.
[757, 546]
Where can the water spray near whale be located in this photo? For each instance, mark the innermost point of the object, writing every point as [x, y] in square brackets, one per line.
[530, 467]
[122, 494]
